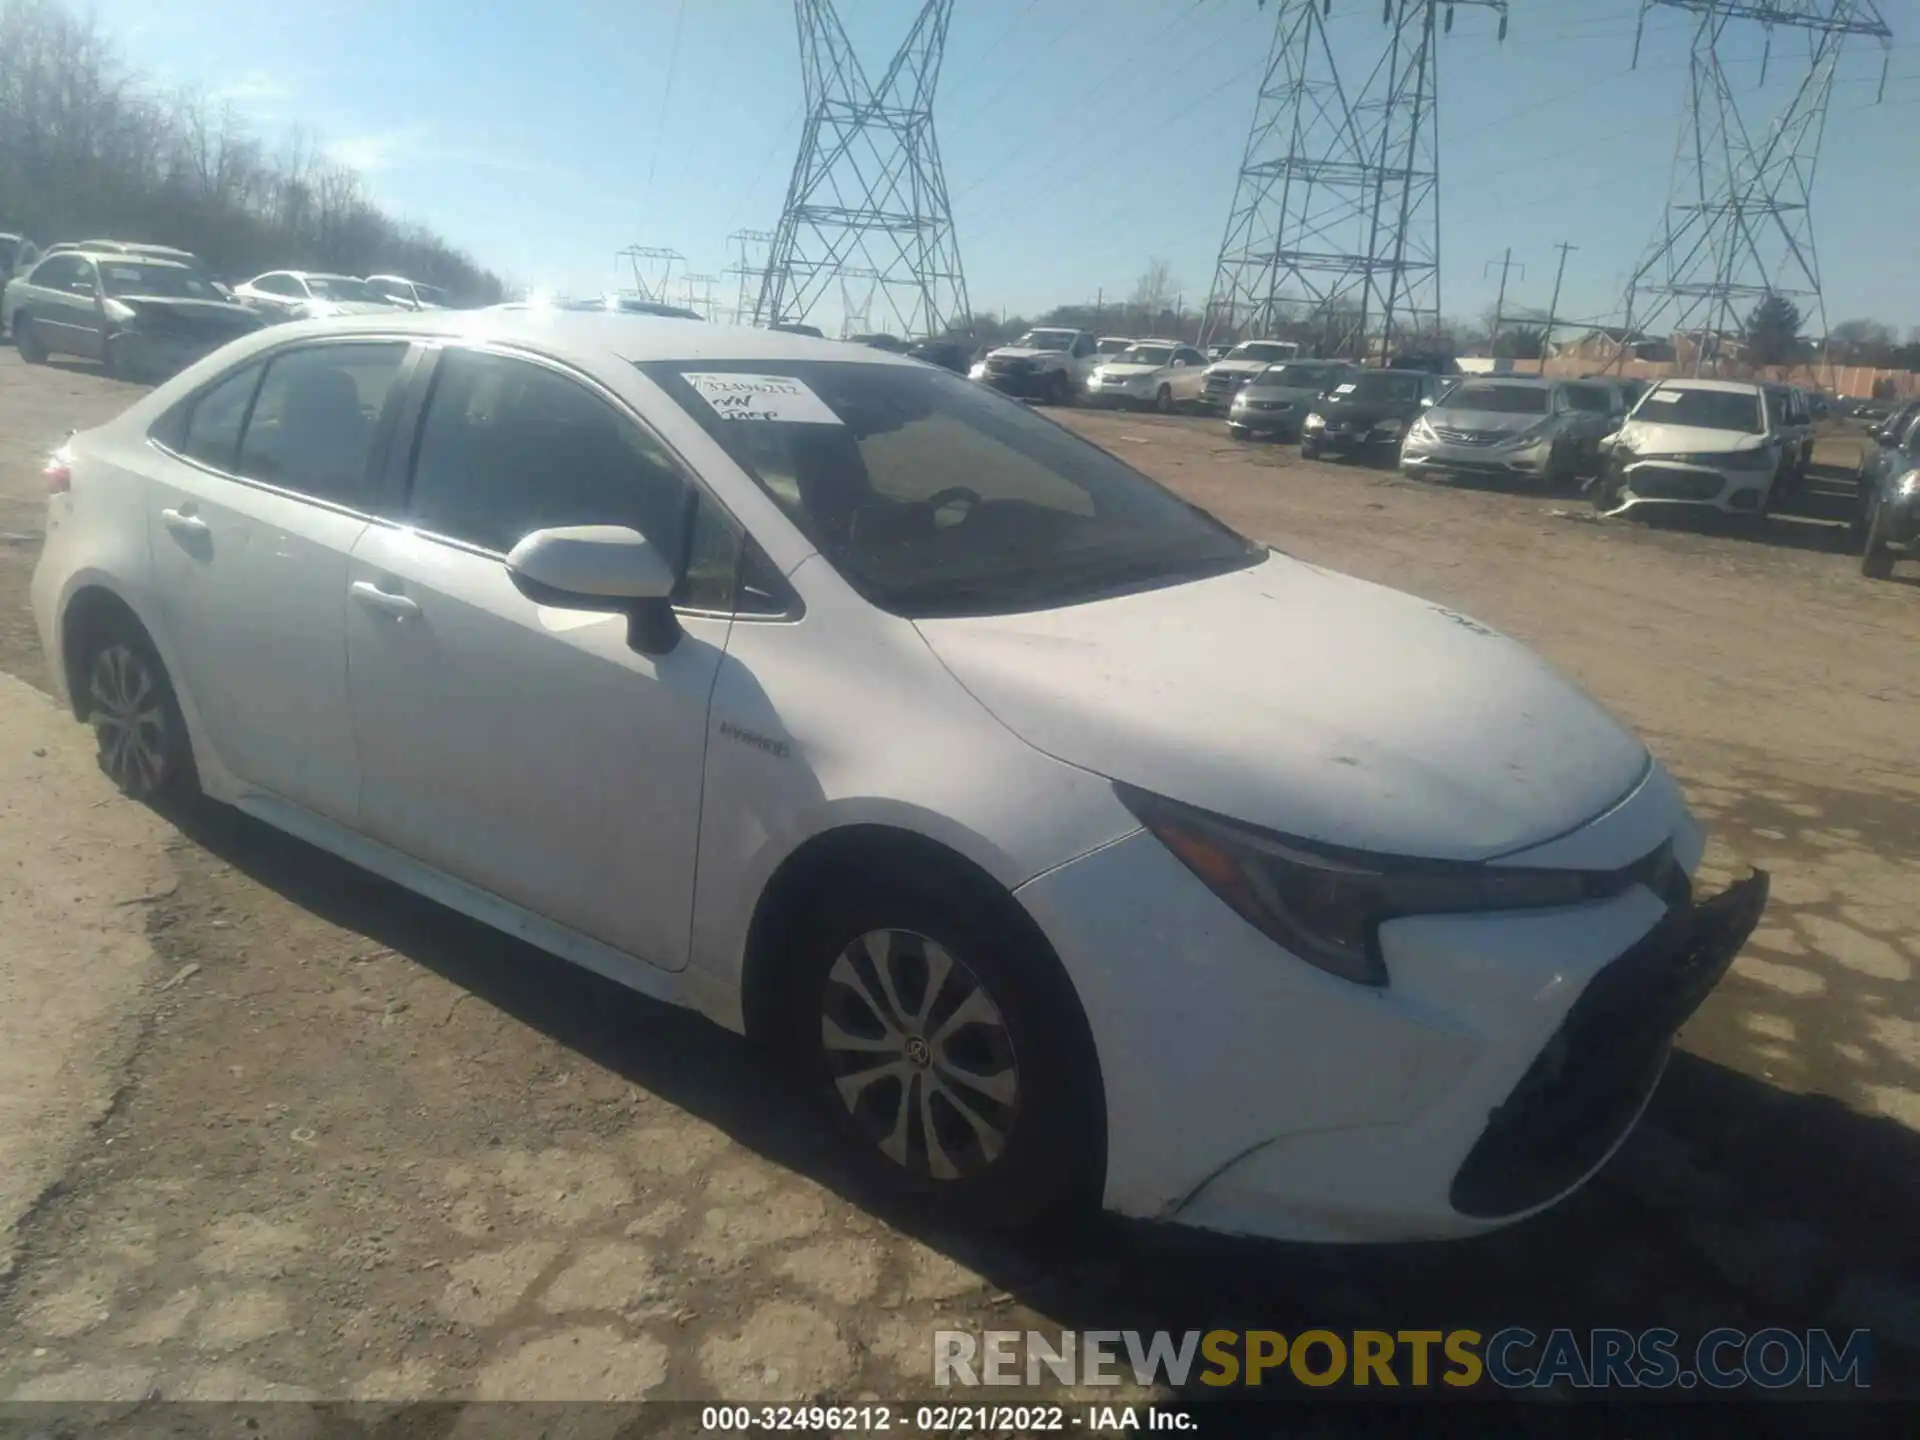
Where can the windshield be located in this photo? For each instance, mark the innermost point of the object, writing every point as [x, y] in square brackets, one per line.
[340, 287]
[1147, 355]
[1499, 399]
[1702, 409]
[166, 281]
[1380, 387]
[1262, 350]
[1593, 399]
[1298, 377]
[1114, 347]
[1045, 340]
[933, 496]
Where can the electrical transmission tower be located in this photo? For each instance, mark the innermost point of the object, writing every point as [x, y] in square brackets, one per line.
[1739, 221]
[749, 270]
[867, 189]
[1336, 216]
[698, 293]
[652, 268]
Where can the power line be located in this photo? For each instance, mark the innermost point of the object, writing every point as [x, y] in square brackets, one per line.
[666, 94]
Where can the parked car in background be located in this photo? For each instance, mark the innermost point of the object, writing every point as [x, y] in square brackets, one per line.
[1887, 524]
[410, 293]
[497, 606]
[1048, 363]
[948, 354]
[1108, 346]
[1511, 425]
[1431, 362]
[892, 344]
[1368, 414]
[1895, 420]
[311, 295]
[1218, 352]
[629, 304]
[1162, 374]
[1706, 443]
[1792, 418]
[1277, 399]
[1246, 360]
[139, 317]
[795, 327]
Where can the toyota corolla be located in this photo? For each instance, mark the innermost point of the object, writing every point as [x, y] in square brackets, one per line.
[1061, 843]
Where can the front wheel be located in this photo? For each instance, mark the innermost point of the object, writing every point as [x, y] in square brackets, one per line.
[942, 1042]
[24, 338]
[1163, 400]
[1060, 388]
[1309, 449]
[1876, 560]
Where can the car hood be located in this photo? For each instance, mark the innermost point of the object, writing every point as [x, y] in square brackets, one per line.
[1020, 352]
[1348, 411]
[189, 309]
[1307, 702]
[1238, 367]
[1646, 438]
[1131, 372]
[1281, 392]
[1484, 422]
[321, 306]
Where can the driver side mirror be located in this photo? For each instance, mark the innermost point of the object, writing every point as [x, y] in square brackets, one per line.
[600, 567]
[1426, 402]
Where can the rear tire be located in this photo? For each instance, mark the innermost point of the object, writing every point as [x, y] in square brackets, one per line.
[991, 1121]
[1309, 449]
[28, 343]
[128, 698]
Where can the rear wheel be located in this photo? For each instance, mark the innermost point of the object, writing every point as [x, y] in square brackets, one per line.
[1309, 449]
[25, 338]
[934, 1036]
[138, 729]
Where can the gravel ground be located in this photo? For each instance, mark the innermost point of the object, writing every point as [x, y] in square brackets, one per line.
[364, 1148]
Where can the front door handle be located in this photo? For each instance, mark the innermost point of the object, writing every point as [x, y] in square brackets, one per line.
[385, 601]
[182, 523]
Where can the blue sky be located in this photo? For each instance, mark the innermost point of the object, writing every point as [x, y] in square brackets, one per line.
[1080, 136]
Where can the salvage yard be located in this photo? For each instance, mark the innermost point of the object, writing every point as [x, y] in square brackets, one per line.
[348, 1144]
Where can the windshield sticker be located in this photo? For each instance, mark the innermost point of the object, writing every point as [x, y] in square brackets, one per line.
[779, 398]
[1663, 397]
[1346, 389]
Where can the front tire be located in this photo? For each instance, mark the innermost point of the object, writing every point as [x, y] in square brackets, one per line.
[1876, 560]
[1060, 389]
[138, 729]
[1163, 400]
[934, 1036]
[1309, 449]
[28, 343]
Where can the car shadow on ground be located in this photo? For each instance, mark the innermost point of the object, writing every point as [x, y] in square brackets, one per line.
[1663, 1237]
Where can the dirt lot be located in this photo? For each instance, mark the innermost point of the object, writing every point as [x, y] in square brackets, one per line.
[365, 1148]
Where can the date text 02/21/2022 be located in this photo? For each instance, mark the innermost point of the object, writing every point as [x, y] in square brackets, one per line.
[943, 1419]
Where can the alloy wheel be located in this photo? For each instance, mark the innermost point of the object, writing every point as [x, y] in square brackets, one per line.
[129, 719]
[920, 1054]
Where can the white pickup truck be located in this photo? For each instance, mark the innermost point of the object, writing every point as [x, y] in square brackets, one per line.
[1243, 362]
[1043, 364]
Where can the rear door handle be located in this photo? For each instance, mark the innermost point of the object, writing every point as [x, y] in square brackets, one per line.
[183, 524]
[385, 601]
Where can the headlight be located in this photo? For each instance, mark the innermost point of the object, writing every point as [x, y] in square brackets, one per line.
[1421, 430]
[1761, 459]
[1314, 421]
[978, 371]
[1909, 483]
[1393, 427]
[1325, 905]
[1240, 401]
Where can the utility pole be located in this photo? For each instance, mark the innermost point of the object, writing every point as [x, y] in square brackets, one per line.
[1500, 304]
[1100, 308]
[1553, 305]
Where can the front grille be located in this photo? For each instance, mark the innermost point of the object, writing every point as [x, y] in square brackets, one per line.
[1218, 383]
[1466, 437]
[1272, 406]
[1589, 1082]
[1656, 482]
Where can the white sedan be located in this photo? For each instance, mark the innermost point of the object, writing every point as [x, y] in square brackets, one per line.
[1061, 842]
[1161, 374]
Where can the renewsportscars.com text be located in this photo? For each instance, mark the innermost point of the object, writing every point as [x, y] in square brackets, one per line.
[1513, 1359]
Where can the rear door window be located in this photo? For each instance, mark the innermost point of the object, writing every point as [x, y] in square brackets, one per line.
[316, 416]
[211, 432]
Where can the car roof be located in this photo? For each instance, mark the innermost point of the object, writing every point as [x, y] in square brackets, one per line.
[122, 256]
[1725, 387]
[606, 333]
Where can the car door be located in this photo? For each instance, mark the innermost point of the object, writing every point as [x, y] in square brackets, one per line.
[266, 480]
[524, 748]
[1189, 373]
[64, 302]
